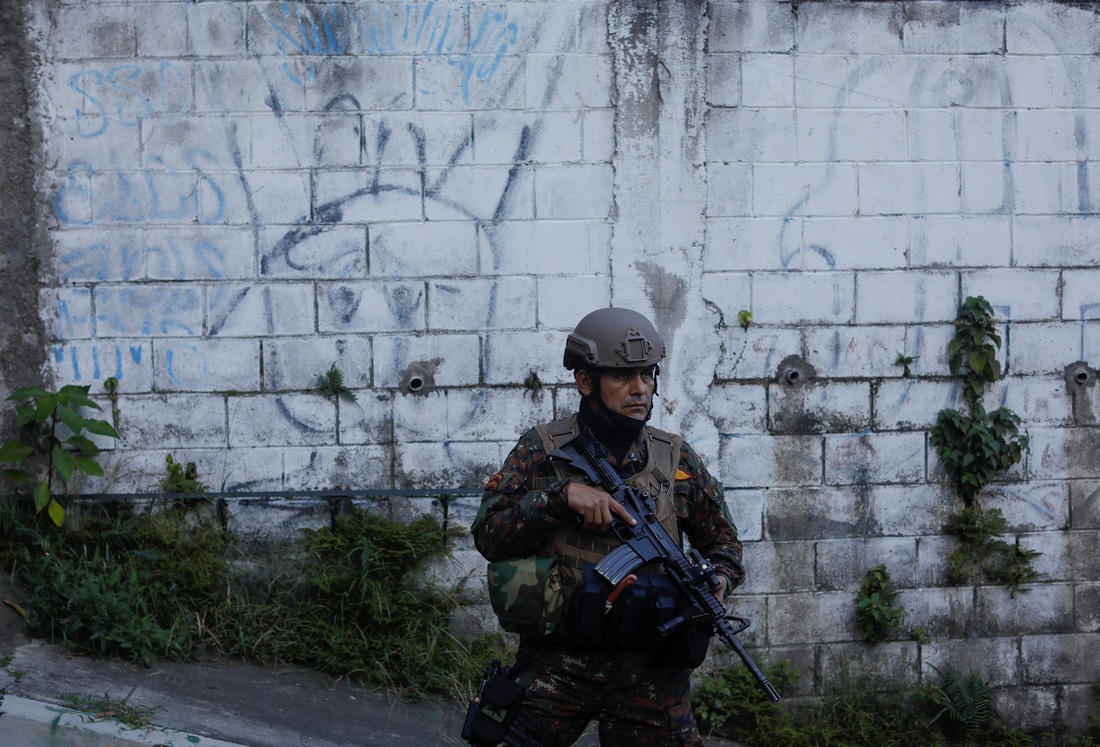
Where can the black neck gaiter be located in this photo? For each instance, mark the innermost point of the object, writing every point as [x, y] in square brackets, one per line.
[612, 429]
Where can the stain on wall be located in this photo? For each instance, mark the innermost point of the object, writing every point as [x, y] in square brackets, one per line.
[22, 345]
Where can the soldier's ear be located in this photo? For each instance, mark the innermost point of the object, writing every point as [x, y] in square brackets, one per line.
[585, 382]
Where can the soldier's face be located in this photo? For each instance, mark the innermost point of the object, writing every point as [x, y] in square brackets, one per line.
[627, 391]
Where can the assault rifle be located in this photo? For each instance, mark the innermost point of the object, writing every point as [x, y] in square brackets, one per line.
[648, 541]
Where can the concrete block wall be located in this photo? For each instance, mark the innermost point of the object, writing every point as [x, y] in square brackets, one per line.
[237, 195]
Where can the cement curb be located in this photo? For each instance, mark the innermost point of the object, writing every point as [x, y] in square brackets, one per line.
[28, 723]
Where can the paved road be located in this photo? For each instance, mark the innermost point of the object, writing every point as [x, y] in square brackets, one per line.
[220, 703]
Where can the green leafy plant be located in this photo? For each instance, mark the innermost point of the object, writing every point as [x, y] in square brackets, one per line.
[122, 585]
[973, 350]
[976, 446]
[181, 478]
[981, 550]
[157, 584]
[731, 696]
[876, 605]
[331, 385]
[52, 444]
[965, 702]
[532, 382]
[744, 318]
[110, 385]
[905, 361]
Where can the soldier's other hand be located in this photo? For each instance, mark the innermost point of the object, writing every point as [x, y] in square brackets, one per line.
[719, 589]
[596, 508]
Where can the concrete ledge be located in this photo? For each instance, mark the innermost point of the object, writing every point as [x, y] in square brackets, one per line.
[32, 723]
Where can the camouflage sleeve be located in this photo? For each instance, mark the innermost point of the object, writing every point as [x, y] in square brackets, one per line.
[521, 504]
[705, 518]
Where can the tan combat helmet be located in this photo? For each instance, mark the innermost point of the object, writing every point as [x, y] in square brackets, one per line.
[613, 338]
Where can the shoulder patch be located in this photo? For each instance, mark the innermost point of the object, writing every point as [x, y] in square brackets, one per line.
[681, 475]
[494, 481]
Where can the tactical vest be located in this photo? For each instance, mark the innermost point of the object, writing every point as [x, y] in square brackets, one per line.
[575, 547]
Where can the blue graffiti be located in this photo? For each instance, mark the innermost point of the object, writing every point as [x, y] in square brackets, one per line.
[164, 259]
[158, 193]
[311, 32]
[432, 30]
[112, 95]
[112, 361]
[69, 323]
[197, 373]
[148, 310]
[330, 214]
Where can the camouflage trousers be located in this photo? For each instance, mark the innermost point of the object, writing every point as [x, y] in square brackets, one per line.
[632, 712]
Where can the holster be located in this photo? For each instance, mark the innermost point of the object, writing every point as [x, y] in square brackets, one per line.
[497, 716]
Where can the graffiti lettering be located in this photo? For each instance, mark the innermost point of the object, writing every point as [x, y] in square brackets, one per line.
[144, 310]
[98, 361]
[294, 242]
[193, 373]
[114, 95]
[431, 30]
[166, 259]
[156, 195]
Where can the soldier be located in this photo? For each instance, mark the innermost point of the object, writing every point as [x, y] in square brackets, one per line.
[542, 527]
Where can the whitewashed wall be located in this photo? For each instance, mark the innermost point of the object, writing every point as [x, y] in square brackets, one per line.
[430, 195]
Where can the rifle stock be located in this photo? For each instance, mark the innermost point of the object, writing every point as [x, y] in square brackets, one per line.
[648, 541]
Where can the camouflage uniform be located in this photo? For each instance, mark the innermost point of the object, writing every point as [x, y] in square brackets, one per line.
[637, 702]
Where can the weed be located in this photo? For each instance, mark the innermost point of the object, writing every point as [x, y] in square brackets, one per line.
[52, 431]
[965, 700]
[860, 711]
[744, 318]
[905, 361]
[856, 712]
[331, 385]
[975, 448]
[152, 585]
[982, 551]
[876, 605]
[730, 702]
[110, 385]
[354, 611]
[129, 714]
[121, 584]
[180, 478]
[16, 674]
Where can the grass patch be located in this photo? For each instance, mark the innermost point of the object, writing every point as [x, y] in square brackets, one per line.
[99, 708]
[955, 711]
[169, 584]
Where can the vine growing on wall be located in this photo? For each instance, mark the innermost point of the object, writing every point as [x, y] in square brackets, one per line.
[975, 446]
